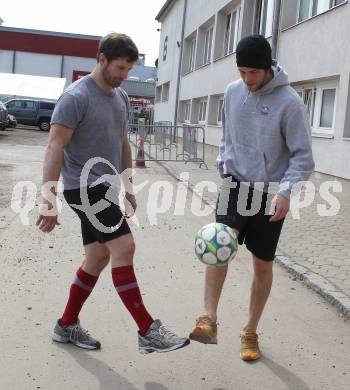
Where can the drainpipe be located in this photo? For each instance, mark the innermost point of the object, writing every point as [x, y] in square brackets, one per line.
[14, 61]
[180, 63]
[276, 27]
[257, 16]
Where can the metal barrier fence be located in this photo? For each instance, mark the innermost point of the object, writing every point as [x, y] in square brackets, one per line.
[135, 113]
[163, 142]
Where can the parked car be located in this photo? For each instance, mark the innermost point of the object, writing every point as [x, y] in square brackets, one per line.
[32, 112]
[3, 116]
[11, 121]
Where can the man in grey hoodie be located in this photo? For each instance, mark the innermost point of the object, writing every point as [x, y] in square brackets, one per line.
[265, 150]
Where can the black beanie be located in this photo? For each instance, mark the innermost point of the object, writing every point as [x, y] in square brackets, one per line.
[254, 51]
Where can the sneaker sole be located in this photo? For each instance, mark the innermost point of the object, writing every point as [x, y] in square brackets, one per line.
[147, 350]
[203, 338]
[59, 339]
[249, 358]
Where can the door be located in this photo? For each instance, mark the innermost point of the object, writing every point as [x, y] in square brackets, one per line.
[15, 108]
[29, 112]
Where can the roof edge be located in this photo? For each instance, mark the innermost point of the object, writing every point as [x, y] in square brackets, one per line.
[164, 9]
[50, 33]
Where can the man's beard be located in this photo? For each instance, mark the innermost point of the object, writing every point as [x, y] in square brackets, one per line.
[109, 79]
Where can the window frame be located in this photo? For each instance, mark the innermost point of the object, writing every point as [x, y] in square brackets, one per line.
[158, 97]
[201, 112]
[165, 91]
[311, 14]
[226, 50]
[192, 55]
[315, 120]
[208, 45]
[265, 34]
[187, 113]
[331, 129]
[219, 111]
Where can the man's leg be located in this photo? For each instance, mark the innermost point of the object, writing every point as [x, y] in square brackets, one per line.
[96, 259]
[122, 253]
[153, 336]
[205, 330]
[214, 282]
[68, 328]
[260, 291]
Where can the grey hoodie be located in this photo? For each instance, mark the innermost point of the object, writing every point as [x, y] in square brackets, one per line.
[266, 134]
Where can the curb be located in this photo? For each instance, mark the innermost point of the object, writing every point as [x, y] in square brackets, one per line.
[317, 283]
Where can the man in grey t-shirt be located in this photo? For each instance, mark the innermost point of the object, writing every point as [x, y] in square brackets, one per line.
[89, 145]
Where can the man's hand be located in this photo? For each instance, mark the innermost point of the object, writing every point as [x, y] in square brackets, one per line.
[130, 204]
[46, 222]
[279, 208]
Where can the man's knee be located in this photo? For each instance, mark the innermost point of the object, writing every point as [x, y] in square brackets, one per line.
[97, 262]
[262, 268]
[122, 248]
[129, 249]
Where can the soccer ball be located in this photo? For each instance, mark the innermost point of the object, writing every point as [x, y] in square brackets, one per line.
[216, 244]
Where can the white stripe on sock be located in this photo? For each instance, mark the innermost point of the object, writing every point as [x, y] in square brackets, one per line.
[126, 287]
[82, 285]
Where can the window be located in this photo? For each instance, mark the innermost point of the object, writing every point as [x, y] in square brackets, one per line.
[309, 8]
[208, 42]
[187, 112]
[158, 93]
[327, 108]
[165, 92]
[15, 104]
[219, 116]
[266, 17]
[308, 96]
[231, 30]
[192, 55]
[202, 111]
[47, 106]
[320, 101]
[29, 104]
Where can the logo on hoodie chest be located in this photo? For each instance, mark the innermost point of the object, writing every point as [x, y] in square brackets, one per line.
[265, 110]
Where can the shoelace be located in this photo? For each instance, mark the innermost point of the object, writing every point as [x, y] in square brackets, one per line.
[167, 333]
[78, 331]
[250, 340]
[204, 321]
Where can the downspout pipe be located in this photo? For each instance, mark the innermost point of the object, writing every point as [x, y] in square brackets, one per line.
[276, 27]
[180, 63]
[256, 16]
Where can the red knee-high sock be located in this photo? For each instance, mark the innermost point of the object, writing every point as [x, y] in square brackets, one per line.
[79, 292]
[125, 282]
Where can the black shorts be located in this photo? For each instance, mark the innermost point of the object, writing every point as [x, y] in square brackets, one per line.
[258, 234]
[103, 226]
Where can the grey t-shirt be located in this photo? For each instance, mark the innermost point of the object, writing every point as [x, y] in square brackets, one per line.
[99, 120]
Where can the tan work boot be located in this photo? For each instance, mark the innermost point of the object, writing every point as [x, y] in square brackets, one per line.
[249, 346]
[205, 331]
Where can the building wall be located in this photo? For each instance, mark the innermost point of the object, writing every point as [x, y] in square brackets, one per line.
[314, 51]
[6, 58]
[54, 54]
[317, 49]
[168, 68]
[49, 65]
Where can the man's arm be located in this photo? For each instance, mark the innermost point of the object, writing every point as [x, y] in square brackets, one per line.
[126, 167]
[58, 139]
[219, 160]
[126, 153]
[297, 133]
